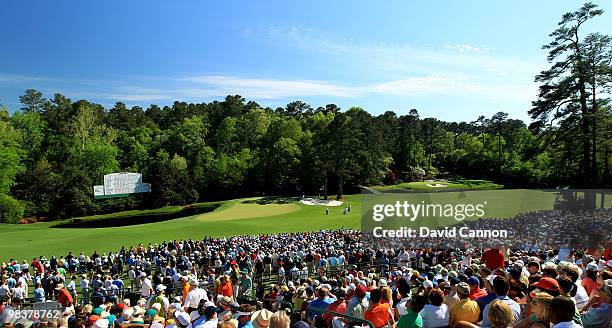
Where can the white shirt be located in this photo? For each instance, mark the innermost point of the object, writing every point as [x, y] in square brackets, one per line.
[567, 324]
[582, 298]
[19, 292]
[208, 324]
[193, 298]
[435, 316]
[401, 306]
[145, 289]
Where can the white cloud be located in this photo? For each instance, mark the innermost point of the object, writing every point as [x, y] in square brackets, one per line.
[436, 85]
[467, 48]
[265, 88]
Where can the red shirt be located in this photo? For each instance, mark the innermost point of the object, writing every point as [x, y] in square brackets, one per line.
[378, 315]
[337, 306]
[476, 293]
[493, 259]
[226, 289]
[64, 297]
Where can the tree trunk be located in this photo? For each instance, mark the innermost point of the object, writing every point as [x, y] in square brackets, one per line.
[339, 192]
[594, 172]
[325, 186]
[586, 147]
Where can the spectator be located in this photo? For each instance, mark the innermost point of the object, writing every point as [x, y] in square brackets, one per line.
[475, 290]
[435, 314]
[322, 302]
[412, 318]
[379, 313]
[466, 309]
[540, 312]
[501, 287]
[338, 306]
[599, 317]
[562, 310]
[358, 305]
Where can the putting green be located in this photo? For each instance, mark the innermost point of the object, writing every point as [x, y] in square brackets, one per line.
[241, 210]
[463, 184]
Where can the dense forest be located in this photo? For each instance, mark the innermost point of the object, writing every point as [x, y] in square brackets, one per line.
[52, 151]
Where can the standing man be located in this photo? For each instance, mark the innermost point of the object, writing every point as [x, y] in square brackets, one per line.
[145, 286]
[85, 288]
[63, 296]
[245, 290]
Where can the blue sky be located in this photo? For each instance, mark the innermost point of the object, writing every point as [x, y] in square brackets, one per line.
[453, 60]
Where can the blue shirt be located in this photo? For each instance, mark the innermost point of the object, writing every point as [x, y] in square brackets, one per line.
[598, 317]
[39, 294]
[316, 306]
[514, 306]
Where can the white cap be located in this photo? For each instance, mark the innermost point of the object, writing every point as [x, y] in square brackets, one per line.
[427, 284]
[382, 283]
[159, 288]
[182, 317]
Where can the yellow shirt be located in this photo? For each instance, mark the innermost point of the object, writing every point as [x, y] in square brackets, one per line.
[464, 310]
[185, 291]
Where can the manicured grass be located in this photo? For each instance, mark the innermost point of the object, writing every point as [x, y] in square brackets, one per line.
[27, 241]
[136, 217]
[462, 184]
[250, 217]
[495, 204]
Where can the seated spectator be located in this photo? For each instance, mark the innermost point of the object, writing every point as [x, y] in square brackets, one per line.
[466, 309]
[501, 287]
[475, 290]
[412, 318]
[599, 317]
[540, 312]
[338, 306]
[562, 311]
[379, 313]
[435, 314]
[357, 305]
[321, 303]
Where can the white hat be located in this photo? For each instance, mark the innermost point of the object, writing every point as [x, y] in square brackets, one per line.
[382, 283]
[101, 323]
[182, 318]
[159, 288]
[127, 314]
[261, 318]
[427, 284]
[143, 274]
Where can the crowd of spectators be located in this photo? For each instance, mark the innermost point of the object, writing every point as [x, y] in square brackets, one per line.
[328, 279]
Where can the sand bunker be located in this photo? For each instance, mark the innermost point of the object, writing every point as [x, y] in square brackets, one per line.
[323, 202]
[436, 185]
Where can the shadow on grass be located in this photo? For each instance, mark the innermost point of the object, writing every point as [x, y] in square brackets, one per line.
[128, 220]
[271, 200]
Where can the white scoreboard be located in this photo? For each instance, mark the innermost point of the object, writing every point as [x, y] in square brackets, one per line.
[121, 185]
